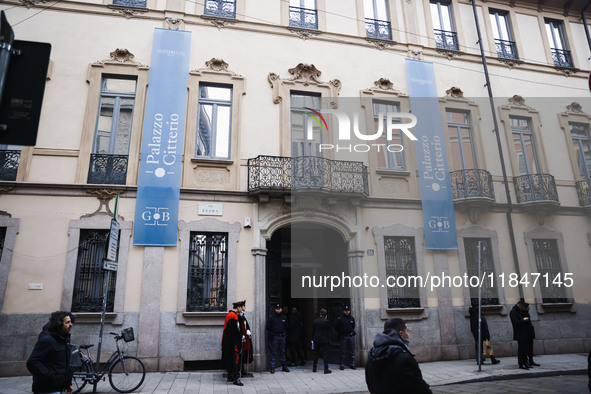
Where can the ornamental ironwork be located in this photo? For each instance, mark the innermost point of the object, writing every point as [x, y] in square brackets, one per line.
[471, 183]
[107, 169]
[9, 160]
[446, 39]
[535, 187]
[584, 192]
[561, 57]
[130, 3]
[221, 8]
[307, 172]
[208, 265]
[506, 49]
[304, 18]
[378, 29]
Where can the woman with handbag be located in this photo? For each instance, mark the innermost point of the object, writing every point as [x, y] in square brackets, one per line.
[487, 348]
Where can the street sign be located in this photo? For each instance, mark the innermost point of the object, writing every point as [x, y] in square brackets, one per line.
[110, 265]
[113, 241]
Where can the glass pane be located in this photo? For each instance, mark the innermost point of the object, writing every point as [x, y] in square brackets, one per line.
[119, 85]
[455, 150]
[381, 10]
[222, 148]
[368, 8]
[124, 127]
[215, 93]
[520, 155]
[435, 16]
[205, 129]
[495, 26]
[467, 148]
[446, 17]
[530, 152]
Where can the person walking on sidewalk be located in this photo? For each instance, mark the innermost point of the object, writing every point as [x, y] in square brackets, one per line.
[232, 344]
[391, 368]
[49, 363]
[277, 331]
[524, 334]
[484, 334]
[346, 328]
[321, 340]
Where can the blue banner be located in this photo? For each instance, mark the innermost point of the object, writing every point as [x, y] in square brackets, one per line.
[159, 179]
[436, 195]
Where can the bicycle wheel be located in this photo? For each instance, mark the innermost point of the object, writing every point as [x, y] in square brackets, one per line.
[127, 374]
[80, 376]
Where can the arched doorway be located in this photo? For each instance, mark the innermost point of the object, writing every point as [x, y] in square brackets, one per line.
[307, 249]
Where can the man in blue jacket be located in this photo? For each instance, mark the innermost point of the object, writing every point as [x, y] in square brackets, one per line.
[49, 363]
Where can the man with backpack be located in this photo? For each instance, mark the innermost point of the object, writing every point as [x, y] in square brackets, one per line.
[391, 367]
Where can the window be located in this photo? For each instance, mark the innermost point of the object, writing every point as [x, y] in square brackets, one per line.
[443, 27]
[389, 156]
[303, 122]
[524, 146]
[377, 22]
[9, 160]
[214, 124]
[221, 8]
[109, 158]
[582, 146]
[208, 265]
[504, 42]
[401, 261]
[548, 265]
[484, 257]
[90, 276]
[558, 48]
[303, 13]
[461, 140]
[130, 3]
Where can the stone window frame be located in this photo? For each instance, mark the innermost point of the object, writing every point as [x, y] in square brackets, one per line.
[544, 233]
[96, 222]
[518, 109]
[12, 229]
[574, 114]
[185, 230]
[400, 230]
[215, 73]
[120, 63]
[479, 232]
[384, 91]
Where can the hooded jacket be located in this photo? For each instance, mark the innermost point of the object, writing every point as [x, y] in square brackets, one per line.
[49, 363]
[391, 368]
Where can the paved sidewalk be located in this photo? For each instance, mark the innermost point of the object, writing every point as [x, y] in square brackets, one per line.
[302, 380]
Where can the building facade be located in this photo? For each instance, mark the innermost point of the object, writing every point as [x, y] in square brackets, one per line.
[268, 189]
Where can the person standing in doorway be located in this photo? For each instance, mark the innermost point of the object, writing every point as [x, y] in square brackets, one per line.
[277, 331]
[321, 337]
[232, 344]
[49, 363]
[346, 328]
[295, 330]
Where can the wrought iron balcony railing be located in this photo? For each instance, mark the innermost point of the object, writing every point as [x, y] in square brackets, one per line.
[506, 49]
[446, 39]
[9, 160]
[107, 169]
[472, 184]
[303, 17]
[378, 29]
[535, 188]
[561, 57]
[584, 192]
[307, 172]
[221, 8]
[131, 3]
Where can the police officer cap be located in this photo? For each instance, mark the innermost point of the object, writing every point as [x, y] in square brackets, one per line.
[238, 304]
[346, 308]
[277, 306]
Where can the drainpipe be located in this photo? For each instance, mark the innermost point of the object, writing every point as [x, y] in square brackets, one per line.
[585, 22]
[504, 171]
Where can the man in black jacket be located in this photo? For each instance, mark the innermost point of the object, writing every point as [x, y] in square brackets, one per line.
[321, 336]
[277, 332]
[346, 328]
[524, 334]
[49, 363]
[391, 368]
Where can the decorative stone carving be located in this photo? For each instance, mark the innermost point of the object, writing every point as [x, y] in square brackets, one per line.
[126, 11]
[380, 44]
[415, 55]
[211, 176]
[6, 189]
[448, 53]
[305, 74]
[215, 65]
[31, 3]
[120, 56]
[104, 196]
[517, 101]
[386, 86]
[574, 108]
[4, 213]
[304, 34]
[218, 22]
[454, 92]
[511, 63]
[567, 71]
[174, 24]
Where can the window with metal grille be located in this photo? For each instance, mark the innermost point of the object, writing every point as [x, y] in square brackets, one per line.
[208, 272]
[9, 160]
[390, 156]
[501, 27]
[215, 121]
[443, 25]
[221, 8]
[558, 46]
[377, 22]
[90, 276]
[548, 264]
[303, 13]
[401, 262]
[524, 145]
[489, 293]
[130, 3]
[582, 145]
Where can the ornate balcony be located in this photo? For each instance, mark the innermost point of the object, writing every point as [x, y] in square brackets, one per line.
[537, 193]
[506, 49]
[584, 192]
[562, 57]
[303, 18]
[378, 29]
[446, 39]
[284, 174]
[220, 8]
[473, 192]
[107, 169]
[9, 160]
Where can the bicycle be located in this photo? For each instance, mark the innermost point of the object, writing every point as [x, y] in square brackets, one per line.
[126, 373]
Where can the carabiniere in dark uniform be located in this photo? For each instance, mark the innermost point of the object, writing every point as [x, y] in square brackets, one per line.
[346, 329]
[277, 331]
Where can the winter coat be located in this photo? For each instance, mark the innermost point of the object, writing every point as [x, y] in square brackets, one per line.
[391, 368]
[49, 363]
[485, 335]
[522, 329]
[321, 330]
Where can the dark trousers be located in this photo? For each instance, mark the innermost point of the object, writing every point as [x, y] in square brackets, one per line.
[295, 351]
[277, 351]
[234, 368]
[348, 351]
[320, 350]
[522, 351]
[530, 350]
